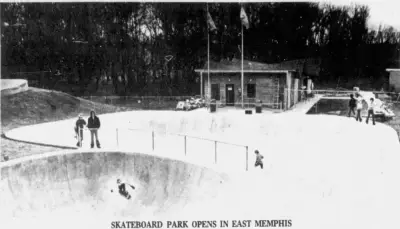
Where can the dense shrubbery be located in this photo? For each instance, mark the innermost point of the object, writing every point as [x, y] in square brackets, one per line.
[87, 41]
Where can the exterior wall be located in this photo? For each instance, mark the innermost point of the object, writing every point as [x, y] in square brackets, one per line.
[296, 87]
[269, 87]
[288, 95]
[291, 91]
[394, 80]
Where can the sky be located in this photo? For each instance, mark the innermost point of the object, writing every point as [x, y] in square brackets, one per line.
[385, 12]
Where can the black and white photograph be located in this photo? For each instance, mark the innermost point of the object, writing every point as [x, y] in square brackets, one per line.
[200, 114]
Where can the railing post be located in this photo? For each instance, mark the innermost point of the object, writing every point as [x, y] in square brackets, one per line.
[152, 142]
[247, 158]
[185, 144]
[117, 137]
[215, 142]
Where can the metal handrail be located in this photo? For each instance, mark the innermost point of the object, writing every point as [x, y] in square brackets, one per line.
[185, 136]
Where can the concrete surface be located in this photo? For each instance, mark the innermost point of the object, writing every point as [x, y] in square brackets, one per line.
[272, 134]
[13, 86]
[320, 171]
[81, 183]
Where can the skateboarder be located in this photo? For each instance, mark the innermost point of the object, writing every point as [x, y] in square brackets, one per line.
[259, 159]
[93, 126]
[371, 108]
[352, 105]
[79, 125]
[122, 189]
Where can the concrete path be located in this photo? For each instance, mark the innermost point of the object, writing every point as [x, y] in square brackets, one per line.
[304, 106]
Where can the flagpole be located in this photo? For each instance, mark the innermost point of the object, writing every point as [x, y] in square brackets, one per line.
[208, 58]
[242, 71]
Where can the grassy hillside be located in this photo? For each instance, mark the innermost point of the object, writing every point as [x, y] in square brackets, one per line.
[38, 106]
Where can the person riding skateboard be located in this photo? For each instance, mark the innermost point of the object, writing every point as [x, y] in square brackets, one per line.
[93, 126]
[259, 159]
[122, 189]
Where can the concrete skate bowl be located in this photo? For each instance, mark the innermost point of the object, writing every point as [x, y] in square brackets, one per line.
[77, 185]
[13, 86]
[276, 136]
[320, 172]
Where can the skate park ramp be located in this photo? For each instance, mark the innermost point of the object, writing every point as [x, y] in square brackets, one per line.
[320, 171]
[75, 185]
[13, 86]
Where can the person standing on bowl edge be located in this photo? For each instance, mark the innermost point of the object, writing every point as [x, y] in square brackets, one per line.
[93, 126]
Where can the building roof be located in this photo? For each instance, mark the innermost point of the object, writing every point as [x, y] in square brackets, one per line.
[393, 69]
[248, 66]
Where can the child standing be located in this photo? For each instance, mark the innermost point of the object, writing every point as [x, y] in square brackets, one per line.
[352, 105]
[359, 107]
[79, 125]
[259, 159]
[371, 106]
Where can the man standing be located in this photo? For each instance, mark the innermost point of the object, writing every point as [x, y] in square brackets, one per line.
[371, 106]
[352, 105]
[93, 126]
[80, 123]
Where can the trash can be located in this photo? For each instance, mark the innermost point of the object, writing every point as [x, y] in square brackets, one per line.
[259, 107]
[213, 105]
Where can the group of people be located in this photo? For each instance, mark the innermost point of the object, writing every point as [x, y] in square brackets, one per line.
[93, 124]
[357, 104]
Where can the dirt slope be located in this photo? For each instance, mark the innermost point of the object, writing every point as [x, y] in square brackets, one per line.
[38, 106]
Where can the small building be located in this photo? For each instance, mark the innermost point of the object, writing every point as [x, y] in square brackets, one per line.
[394, 79]
[277, 88]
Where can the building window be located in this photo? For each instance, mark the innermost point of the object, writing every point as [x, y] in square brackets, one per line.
[251, 90]
[215, 91]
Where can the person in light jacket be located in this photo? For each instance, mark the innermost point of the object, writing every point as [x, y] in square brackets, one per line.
[94, 125]
[359, 107]
[79, 125]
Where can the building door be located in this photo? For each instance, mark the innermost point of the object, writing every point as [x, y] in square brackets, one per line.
[230, 95]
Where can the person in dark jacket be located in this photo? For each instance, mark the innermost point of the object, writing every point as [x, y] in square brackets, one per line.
[352, 105]
[259, 159]
[371, 112]
[79, 125]
[122, 189]
[93, 126]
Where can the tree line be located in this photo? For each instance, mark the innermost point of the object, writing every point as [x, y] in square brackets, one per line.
[127, 43]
